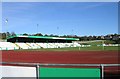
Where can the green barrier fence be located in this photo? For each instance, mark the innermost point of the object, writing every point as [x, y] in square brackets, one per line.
[59, 71]
[69, 72]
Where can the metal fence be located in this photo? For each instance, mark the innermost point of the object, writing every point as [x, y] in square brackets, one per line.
[38, 65]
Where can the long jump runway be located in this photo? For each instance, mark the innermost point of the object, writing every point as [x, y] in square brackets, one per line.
[63, 57]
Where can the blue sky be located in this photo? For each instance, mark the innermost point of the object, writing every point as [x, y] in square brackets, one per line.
[61, 18]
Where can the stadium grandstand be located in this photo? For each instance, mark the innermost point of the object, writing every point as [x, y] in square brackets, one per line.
[37, 42]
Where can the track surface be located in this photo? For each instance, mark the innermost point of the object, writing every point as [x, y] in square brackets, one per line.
[64, 57]
[84, 57]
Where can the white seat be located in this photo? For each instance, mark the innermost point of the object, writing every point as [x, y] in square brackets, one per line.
[8, 46]
[23, 45]
[42, 45]
[33, 45]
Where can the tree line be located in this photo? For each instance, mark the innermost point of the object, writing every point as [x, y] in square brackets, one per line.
[114, 37]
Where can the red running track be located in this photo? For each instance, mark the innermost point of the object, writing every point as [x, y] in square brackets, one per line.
[78, 57]
[64, 57]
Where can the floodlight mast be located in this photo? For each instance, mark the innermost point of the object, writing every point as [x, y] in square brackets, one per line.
[6, 21]
[37, 27]
[72, 32]
[58, 29]
[103, 44]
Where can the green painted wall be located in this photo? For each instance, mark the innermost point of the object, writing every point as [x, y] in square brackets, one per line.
[70, 72]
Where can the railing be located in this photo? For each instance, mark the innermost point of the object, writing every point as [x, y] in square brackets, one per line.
[37, 65]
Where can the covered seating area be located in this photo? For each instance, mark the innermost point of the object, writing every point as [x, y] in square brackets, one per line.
[37, 42]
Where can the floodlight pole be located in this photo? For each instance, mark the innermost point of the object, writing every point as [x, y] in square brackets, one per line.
[6, 21]
[103, 44]
[58, 29]
[72, 32]
[37, 27]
